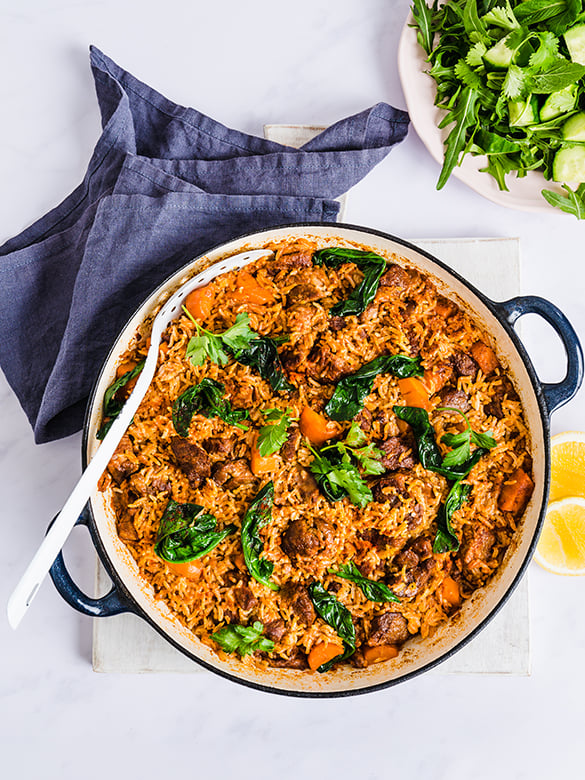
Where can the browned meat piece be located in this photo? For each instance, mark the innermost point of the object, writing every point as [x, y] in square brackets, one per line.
[192, 459]
[300, 539]
[289, 448]
[414, 518]
[293, 359]
[304, 293]
[398, 278]
[398, 452]
[415, 579]
[127, 532]
[233, 473]
[463, 364]
[413, 341]
[295, 260]
[300, 602]
[440, 374]
[500, 391]
[244, 597]
[450, 396]
[337, 323]
[230, 617]
[324, 366]
[388, 489]
[305, 483]
[389, 628]
[418, 550]
[142, 486]
[123, 462]
[477, 547]
[375, 538]
[275, 629]
[297, 660]
[423, 547]
[334, 587]
[369, 314]
[219, 445]
[307, 320]
[407, 558]
[364, 420]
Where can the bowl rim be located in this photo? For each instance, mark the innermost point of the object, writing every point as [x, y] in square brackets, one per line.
[536, 387]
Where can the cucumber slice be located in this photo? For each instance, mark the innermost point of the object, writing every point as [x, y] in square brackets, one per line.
[574, 128]
[569, 163]
[523, 113]
[558, 103]
[575, 40]
[499, 56]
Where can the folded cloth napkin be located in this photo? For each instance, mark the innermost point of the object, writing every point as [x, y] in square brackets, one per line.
[165, 183]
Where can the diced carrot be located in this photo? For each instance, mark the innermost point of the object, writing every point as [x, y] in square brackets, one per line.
[322, 653]
[317, 428]
[240, 562]
[123, 368]
[199, 303]
[189, 569]
[450, 591]
[516, 492]
[262, 464]
[436, 378]
[485, 357]
[249, 291]
[373, 655]
[444, 307]
[414, 392]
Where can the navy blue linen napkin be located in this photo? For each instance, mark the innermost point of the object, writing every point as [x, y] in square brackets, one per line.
[165, 183]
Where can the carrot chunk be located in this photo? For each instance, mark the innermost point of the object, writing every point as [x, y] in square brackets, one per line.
[199, 303]
[262, 464]
[414, 392]
[317, 428]
[189, 569]
[249, 291]
[373, 655]
[485, 357]
[516, 492]
[450, 591]
[444, 307]
[123, 368]
[322, 653]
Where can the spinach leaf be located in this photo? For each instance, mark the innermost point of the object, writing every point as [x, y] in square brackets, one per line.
[350, 392]
[262, 354]
[418, 419]
[211, 345]
[205, 398]
[338, 617]
[372, 590]
[112, 406]
[243, 639]
[185, 534]
[372, 266]
[272, 437]
[446, 539]
[258, 515]
[338, 477]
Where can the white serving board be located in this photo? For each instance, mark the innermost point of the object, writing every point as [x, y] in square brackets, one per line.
[127, 644]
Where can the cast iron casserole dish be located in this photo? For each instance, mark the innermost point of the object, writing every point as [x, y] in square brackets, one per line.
[130, 593]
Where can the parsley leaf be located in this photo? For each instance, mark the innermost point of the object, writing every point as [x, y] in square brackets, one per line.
[272, 437]
[461, 442]
[372, 589]
[243, 639]
[211, 345]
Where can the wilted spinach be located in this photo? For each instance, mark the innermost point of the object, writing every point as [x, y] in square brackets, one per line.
[372, 589]
[258, 515]
[262, 354]
[205, 398]
[372, 266]
[113, 406]
[338, 617]
[445, 538]
[185, 534]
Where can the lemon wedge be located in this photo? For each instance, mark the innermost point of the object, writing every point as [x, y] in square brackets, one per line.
[567, 465]
[561, 547]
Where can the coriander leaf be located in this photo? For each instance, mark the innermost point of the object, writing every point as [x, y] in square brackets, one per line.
[368, 459]
[372, 265]
[347, 476]
[240, 334]
[484, 440]
[112, 406]
[338, 477]
[446, 538]
[258, 515]
[423, 16]
[338, 617]
[573, 203]
[517, 82]
[557, 76]
[467, 75]
[272, 437]
[547, 52]
[243, 639]
[185, 534]
[474, 56]
[501, 16]
[464, 115]
[205, 398]
[355, 436]
[372, 589]
[461, 452]
[262, 354]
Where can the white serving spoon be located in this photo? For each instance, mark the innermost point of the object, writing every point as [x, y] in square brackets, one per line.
[26, 590]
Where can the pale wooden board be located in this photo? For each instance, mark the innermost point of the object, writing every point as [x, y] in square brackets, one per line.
[127, 644]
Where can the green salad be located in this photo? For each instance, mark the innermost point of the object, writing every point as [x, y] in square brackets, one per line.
[510, 75]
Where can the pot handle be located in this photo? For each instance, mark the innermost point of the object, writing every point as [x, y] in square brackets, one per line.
[557, 393]
[113, 603]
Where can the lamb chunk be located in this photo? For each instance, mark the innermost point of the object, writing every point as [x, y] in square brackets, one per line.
[244, 597]
[305, 483]
[300, 602]
[303, 293]
[305, 319]
[364, 420]
[142, 486]
[289, 448]
[275, 630]
[499, 392]
[297, 660]
[294, 260]
[299, 539]
[375, 538]
[192, 459]
[407, 558]
[127, 531]
[416, 578]
[398, 452]
[233, 473]
[389, 628]
[414, 518]
[324, 366]
[478, 547]
[123, 462]
[450, 396]
[219, 445]
[463, 364]
[423, 547]
[388, 489]
[337, 323]
[397, 277]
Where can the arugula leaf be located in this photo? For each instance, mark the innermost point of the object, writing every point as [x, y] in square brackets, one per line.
[464, 114]
[185, 534]
[350, 392]
[111, 406]
[262, 354]
[446, 538]
[423, 17]
[272, 437]
[372, 589]
[211, 345]
[205, 398]
[243, 639]
[573, 203]
[372, 266]
[258, 515]
[472, 24]
[338, 617]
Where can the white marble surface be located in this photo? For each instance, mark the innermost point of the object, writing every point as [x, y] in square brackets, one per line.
[247, 64]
